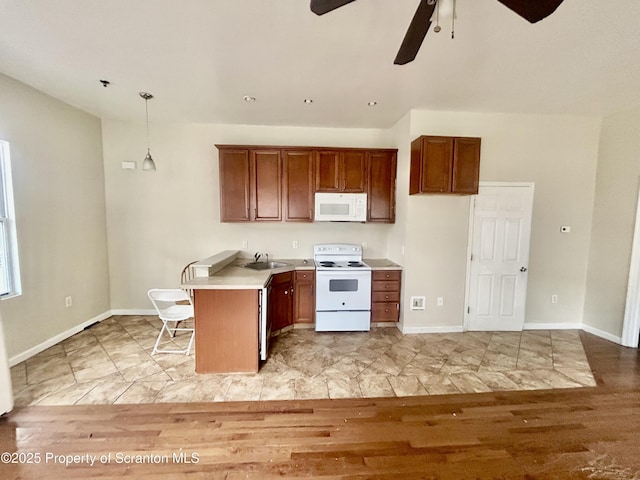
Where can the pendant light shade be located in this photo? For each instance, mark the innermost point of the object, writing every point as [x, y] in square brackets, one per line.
[147, 163]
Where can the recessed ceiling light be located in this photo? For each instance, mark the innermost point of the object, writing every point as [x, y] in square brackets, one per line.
[372, 103]
[248, 98]
[308, 100]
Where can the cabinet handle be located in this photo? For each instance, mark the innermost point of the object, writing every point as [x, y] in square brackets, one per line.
[312, 290]
[387, 275]
[386, 297]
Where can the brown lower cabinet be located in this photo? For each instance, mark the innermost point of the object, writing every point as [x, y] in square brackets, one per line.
[385, 295]
[226, 323]
[304, 299]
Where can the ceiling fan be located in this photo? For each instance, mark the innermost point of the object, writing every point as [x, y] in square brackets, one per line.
[531, 10]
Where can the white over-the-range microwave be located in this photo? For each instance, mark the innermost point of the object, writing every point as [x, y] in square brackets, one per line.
[340, 207]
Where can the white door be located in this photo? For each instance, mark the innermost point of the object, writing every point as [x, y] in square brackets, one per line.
[500, 233]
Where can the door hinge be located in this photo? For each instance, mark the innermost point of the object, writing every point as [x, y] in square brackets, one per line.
[471, 257]
[468, 309]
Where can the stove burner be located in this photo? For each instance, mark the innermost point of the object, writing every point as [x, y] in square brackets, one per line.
[327, 264]
[353, 263]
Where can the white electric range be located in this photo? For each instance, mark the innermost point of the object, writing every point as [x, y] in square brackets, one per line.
[343, 288]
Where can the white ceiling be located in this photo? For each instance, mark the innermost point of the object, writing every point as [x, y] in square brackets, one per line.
[200, 57]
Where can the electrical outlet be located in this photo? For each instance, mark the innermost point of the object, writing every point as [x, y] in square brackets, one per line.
[565, 229]
[295, 244]
[245, 244]
[554, 298]
[440, 301]
[365, 245]
[418, 303]
[68, 301]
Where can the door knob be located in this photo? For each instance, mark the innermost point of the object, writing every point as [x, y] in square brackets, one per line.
[523, 269]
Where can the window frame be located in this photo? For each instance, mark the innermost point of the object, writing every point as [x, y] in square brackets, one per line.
[8, 235]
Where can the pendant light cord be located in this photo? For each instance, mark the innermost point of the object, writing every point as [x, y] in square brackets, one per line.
[453, 20]
[146, 108]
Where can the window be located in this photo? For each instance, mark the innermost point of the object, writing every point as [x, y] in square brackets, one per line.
[9, 272]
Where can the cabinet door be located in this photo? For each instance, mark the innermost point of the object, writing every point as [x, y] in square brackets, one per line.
[298, 185]
[281, 300]
[353, 171]
[327, 171]
[437, 155]
[466, 165]
[381, 186]
[235, 195]
[266, 185]
[304, 297]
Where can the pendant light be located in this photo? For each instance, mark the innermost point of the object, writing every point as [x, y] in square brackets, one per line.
[148, 163]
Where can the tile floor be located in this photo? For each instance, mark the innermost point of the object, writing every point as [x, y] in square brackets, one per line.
[111, 362]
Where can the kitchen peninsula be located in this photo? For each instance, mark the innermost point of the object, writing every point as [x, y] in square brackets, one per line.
[235, 308]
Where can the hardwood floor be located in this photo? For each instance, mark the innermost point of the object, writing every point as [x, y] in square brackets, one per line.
[588, 433]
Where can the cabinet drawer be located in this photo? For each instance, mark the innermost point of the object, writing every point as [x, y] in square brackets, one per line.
[384, 312]
[305, 276]
[385, 296]
[385, 275]
[385, 285]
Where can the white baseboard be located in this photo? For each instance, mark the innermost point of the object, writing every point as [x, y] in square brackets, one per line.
[126, 311]
[602, 334]
[21, 357]
[410, 330]
[552, 326]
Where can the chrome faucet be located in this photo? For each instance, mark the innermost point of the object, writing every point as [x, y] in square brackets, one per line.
[256, 257]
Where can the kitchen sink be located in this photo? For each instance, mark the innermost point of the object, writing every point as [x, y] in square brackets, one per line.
[265, 265]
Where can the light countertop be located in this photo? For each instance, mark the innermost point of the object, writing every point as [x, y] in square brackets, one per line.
[234, 276]
[227, 271]
[381, 264]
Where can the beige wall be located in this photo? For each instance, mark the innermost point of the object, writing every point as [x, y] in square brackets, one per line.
[559, 154]
[159, 221]
[56, 157]
[613, 221]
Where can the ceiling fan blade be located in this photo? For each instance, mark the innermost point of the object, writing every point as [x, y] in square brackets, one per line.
[320, 7]
[532, 10]
[416, 32]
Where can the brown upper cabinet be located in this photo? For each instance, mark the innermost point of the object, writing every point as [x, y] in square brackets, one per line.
[235, 202]
[341, 171]
[250, 185]
[381, 186]
[445, 165]
[279, 183]
[298, 185]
